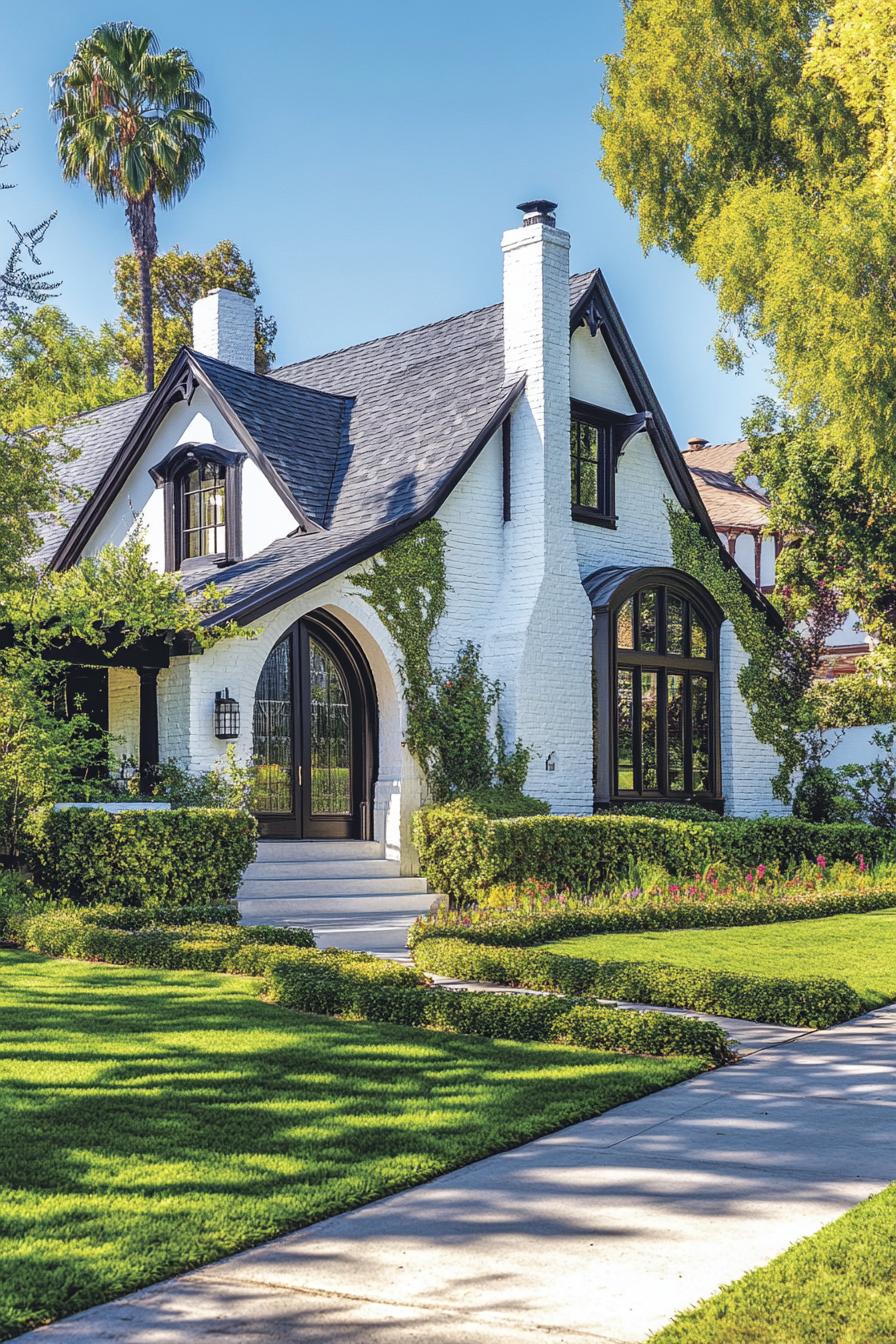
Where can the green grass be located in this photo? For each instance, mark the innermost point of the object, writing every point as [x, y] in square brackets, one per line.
[860, 949]
[155, 1120]
[836, 1287]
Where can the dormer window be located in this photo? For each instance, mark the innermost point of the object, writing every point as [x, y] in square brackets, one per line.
[202, 505]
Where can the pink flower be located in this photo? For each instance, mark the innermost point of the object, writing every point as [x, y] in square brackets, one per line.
[749, 877]
[673, 887]
[822, 861]
[760, 872]
[863, 867]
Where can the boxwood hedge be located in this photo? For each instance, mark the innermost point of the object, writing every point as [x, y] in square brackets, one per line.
[183, 857]
[463, 853]
[814, 1002]
[516, 1017]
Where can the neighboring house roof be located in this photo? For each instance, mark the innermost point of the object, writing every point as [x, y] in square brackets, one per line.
[362, 443]
[728, 503]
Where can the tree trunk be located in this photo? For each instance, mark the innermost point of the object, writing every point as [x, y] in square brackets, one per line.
[141, 216]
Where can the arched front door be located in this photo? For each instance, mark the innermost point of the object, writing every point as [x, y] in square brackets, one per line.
[314, 735]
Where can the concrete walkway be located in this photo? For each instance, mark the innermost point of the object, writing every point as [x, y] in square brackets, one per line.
[601, 1232]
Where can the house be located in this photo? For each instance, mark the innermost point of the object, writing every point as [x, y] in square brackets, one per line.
[529, 429]
[739, 513]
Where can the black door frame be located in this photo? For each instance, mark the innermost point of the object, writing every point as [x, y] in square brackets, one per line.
[300, 823]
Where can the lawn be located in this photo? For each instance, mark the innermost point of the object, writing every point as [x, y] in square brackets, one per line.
[835, 1287]
[155, 1120]
[860, 949]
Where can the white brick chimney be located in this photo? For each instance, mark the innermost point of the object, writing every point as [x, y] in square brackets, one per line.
[541, 646]
[224, 327]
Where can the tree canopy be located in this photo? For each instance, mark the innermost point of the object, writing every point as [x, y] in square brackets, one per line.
[178, 279]
[757, 141]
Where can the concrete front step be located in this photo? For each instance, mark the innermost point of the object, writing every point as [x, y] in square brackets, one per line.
[318, 911]
[337, 869]
[297, 887]
[298, 851]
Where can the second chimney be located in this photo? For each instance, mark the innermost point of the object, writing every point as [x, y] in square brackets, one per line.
[224, 327]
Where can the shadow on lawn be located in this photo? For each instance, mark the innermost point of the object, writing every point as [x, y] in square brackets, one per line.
[159, 1120]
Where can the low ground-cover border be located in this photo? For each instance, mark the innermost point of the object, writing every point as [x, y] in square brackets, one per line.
[153, 1121]
[463, 853]
[353, 984]
[836, 1285]
[814, 1002]
[611, 915]
[513, 1017]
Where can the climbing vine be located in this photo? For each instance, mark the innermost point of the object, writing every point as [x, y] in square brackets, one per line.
[449, 710]
[779, 669]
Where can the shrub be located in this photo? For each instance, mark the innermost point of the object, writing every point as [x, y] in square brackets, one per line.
[667, 811]
[388, 997]
[799, 1003]
[612, 916]
[143, 917]
[184, 857]
[501, 801]
[820, 796]
[871, 789]
[463, 853]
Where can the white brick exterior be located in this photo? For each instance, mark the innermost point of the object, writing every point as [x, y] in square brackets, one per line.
[515, 587]
[224, 327]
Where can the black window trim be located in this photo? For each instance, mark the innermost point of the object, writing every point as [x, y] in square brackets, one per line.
[170, 474]
[621, 428]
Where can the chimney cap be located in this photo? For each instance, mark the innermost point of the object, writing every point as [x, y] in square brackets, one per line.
[697, 442]
[538, 212]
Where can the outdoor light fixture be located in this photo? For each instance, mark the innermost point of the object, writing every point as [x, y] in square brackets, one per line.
[551, 762]
[227, 715]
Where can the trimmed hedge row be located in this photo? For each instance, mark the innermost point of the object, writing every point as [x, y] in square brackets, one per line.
[145, 917]
[188, 856]
[514, 1017]
[198, 947]
[815, 1002]
[644, 916]
[463, 853]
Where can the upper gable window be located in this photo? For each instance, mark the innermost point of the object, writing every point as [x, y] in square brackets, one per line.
[203, 521]
[595, 441]
[202, 511]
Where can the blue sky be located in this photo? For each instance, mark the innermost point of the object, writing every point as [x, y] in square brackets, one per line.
[368, 157]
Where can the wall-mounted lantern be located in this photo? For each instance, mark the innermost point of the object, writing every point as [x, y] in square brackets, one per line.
[551, 763]
[227, 715]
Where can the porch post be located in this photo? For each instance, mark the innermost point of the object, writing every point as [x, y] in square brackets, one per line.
[149, 726]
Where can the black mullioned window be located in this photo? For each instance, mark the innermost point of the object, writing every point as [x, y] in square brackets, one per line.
[203, 510]
[593, 444]
[665, 655]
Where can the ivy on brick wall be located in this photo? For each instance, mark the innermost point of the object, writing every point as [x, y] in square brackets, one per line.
[774, 680]
[449, 710]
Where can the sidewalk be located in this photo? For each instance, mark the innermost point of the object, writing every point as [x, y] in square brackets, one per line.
[600, 1232]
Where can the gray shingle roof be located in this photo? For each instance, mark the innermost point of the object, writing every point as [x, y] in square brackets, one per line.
[366, 438]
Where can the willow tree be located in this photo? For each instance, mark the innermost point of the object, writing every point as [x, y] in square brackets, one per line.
[757, 141]
[132, 122]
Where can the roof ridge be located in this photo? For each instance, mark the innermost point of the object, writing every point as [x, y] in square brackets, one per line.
[262, 377]
[406, 331]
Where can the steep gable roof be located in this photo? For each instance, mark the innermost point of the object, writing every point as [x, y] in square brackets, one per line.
[728, 502]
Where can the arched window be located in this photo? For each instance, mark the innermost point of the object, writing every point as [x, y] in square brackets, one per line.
[656, 654]
[202, 504]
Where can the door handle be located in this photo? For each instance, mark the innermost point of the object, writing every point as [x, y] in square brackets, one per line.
[299, 775]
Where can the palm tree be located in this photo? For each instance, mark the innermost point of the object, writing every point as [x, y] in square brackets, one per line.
[132, 122]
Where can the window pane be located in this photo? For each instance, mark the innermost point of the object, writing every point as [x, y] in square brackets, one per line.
[700, 734]
[191, 511]
[585, 455]
[625, 625]
[587, 483]
[699, 637]
[330, 735]
[647, 622]
[272, 733]
[649, 776]
[674, 624]
[675, 730]
[625, 740]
